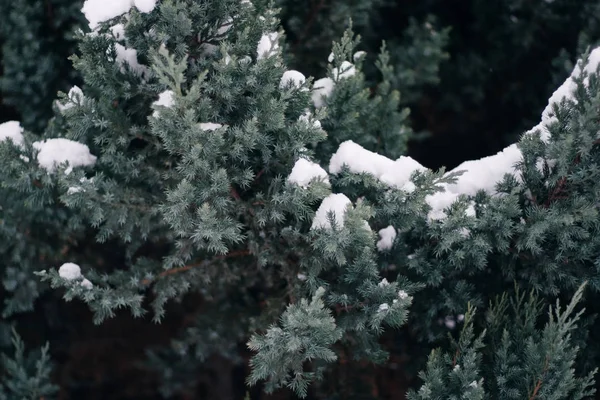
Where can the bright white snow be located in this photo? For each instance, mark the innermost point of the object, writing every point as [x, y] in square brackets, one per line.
[165, 99]
[292, 77]
[98, 11]
[12, 130]
[129, 56]
[358, 55]
[53, 152]
[387, 235]
[267, 45]
[322, 88]
[118, 31]
[384, 282]
[383, 307]
[482, 174]
[209, 126]
[336, 203]
[305, 171]
[346, 70]
[359, 160]
[69, 271]
[75, 95]
[86, 284]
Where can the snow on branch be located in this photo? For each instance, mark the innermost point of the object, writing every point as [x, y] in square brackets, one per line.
[483, 174]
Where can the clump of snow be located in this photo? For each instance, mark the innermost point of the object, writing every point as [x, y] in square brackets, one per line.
[267, 45]
[145, 6]
[98, 11]
[12, 130]
[209, 126]
[292, 77]
[75, 189]
[129, 56]
[334, 203]
[358, 55]
[86, 283]
[118, 31]
[331, 57]
[165, 99]
[53, 152]
[387, 235]
[473, 384]
[74, 96]
[322, 89]
[69, 271]
[482, 174]
[302, 277]
[383, 307]
[384, 282]
[402, 294]
[359, 160]
[470, 211]
[306, 171]
[346, 70]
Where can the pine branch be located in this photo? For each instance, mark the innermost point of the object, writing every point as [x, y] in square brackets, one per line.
[233, 254]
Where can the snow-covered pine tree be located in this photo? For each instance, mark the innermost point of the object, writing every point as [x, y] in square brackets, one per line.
[192, 161]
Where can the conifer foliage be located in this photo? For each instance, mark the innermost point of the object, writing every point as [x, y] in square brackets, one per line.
[192, 161]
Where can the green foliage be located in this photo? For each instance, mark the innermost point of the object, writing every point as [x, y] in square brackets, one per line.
[26, 376]
[306, 334]
[190, 198]
[37, 39]
[523, 361]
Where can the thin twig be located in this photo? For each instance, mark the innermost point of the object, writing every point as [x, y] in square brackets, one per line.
[237, 253]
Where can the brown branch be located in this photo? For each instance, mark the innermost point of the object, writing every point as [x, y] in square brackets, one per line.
[234, 193]
[538, 385]
[233, 254]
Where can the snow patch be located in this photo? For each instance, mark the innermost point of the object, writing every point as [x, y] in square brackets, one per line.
[292, 77]
[359, 160]
[69, 271]
[129, 56]
[165, 99]
[267, 45]
[384, 282]
[74, 96]
[209, 126]
[334, 203]
[346, 70]
[387, 235]
[13, 131]
[322, 89]
[306, 171]
[358, 55]
[98, 11]
[53, 152]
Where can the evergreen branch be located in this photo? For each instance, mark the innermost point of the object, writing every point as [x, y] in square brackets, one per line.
[233, 254]
[538, 385]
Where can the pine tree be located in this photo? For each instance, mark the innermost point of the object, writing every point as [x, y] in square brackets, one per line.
[37, 37]
[192, 161]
